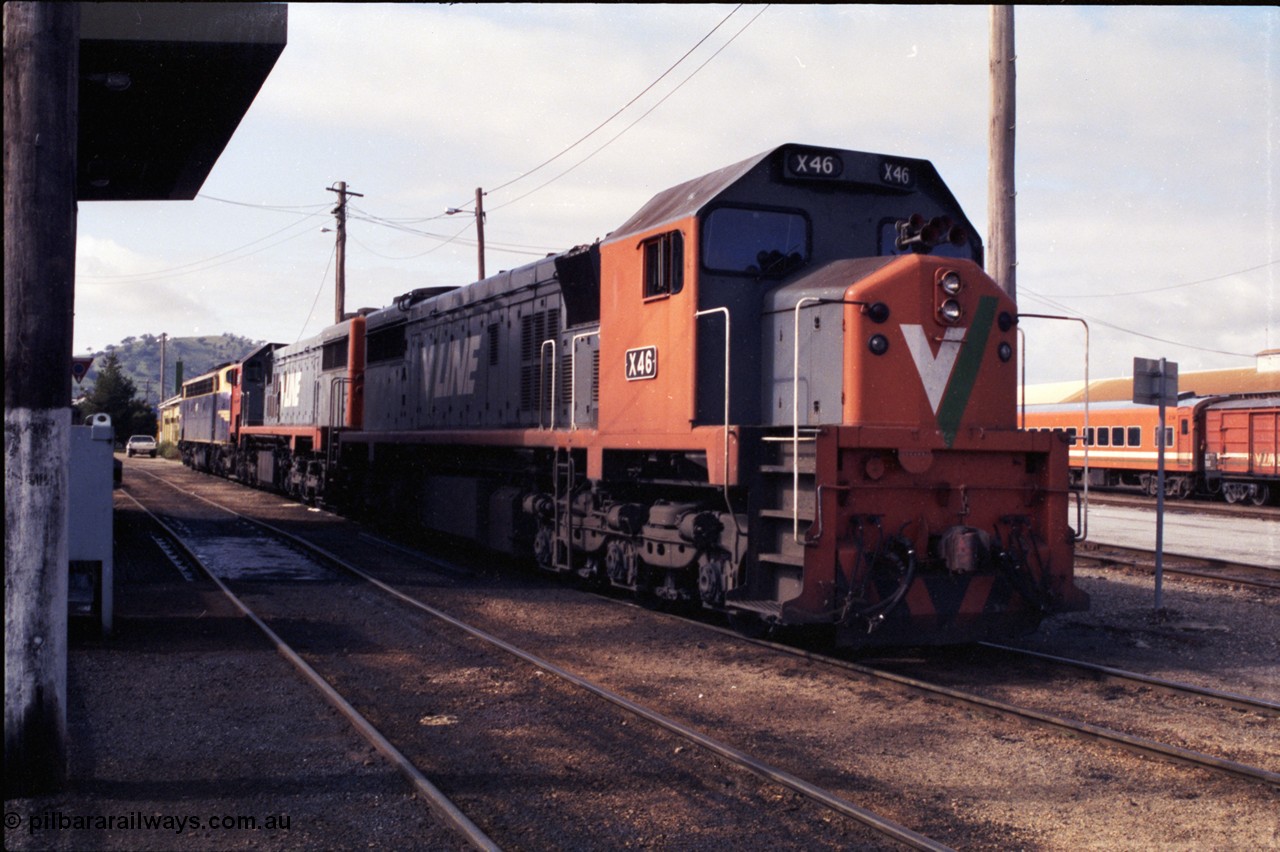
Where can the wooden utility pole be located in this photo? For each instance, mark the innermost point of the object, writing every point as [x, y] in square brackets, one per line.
[41, 104]
[480, 229]
[340, 276]
[1002, 253]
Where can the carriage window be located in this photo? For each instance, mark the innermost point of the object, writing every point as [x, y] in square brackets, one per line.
[1104, 437]
[663, 264]
[754, 242]
[1072, 434]
[1117, 436]
[1168, 433]
[1135, 436]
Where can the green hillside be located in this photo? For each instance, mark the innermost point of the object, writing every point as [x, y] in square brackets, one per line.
[140, 360]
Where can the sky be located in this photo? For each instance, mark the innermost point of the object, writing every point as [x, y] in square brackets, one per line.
[1146, 159]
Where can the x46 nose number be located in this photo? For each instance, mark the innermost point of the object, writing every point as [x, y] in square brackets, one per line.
[642, 363]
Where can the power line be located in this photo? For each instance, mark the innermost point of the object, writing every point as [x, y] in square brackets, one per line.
[1173, 286]
[638, 120]
[505, 248]
[324, 281]
[1095, 320]
[275, 208]
[623, 108]
[206, 263]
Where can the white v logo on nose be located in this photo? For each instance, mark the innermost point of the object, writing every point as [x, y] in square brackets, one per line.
[934, 370]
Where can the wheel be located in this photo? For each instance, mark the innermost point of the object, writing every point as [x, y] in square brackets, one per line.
[1261, 493]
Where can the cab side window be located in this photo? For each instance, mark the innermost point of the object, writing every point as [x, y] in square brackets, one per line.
[663, 264]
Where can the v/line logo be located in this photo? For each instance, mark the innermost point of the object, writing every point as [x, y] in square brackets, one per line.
[950, 375]
[449, 367]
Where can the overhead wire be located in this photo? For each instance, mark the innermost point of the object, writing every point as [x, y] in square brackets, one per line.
[643, 116]
[1171, 286]
[1098, 321]
[275, 208]
[624, 107]
[402, 223]
[206, 263]
[324, 282]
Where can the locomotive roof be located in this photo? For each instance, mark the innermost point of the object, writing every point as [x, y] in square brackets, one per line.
[859, 168]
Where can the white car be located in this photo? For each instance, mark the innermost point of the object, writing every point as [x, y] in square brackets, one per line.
[143, 445]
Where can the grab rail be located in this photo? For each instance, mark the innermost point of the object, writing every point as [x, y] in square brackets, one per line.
[795, 421]
[1084, 438]
[725, 311]
[573, 375]
[542, 372]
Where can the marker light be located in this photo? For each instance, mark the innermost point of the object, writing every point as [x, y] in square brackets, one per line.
[878, 312]
[878, 344]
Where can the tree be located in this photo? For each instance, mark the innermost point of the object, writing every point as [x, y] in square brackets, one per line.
[114, 394]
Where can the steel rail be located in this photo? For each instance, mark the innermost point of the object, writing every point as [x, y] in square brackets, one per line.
[434, 798]
[1139, 745]
[770, 773]
[1102, 555]
[1244, 702]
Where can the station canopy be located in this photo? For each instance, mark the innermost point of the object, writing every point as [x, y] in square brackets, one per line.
[163, 87]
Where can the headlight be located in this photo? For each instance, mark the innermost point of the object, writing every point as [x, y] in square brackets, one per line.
[950, 283]
[950, 311]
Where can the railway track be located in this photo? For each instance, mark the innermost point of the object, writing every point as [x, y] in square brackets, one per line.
[1185, 507]
[839, 764]
[206, 551]
[932, 683]
[281, 558]
[1219, 731]
[1143, 560]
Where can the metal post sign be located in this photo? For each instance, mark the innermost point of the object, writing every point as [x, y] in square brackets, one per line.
[1155, 381]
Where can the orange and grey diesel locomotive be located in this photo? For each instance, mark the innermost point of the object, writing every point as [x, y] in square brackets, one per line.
[785, 390]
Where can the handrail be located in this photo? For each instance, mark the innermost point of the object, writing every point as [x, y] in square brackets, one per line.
[573, 376]
[795, 422]
[336, 420]
[725, 311]
[542, 374]
[1084, 525]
